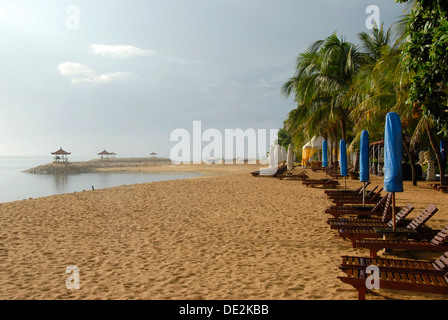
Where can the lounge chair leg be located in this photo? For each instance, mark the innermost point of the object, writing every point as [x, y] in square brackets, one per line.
[362, 293]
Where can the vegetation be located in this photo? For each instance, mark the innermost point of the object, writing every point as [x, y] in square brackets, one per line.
[342, 88]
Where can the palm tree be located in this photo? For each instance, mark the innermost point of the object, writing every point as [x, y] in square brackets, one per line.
[382, 86]
[323, 75]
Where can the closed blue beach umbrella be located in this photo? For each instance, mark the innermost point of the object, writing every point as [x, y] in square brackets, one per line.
[343, 158]
[443, 152]
[393, 172]
[324, 154]
[343, 161]
[364, 161]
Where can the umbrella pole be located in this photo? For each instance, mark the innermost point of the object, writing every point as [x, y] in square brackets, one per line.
[345, 183]
[364, 194]
[393, 209]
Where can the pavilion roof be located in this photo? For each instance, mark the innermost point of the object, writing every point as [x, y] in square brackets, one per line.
[60, 151]
[104, 153]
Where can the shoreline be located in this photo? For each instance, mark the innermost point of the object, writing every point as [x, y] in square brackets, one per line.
[134, 165]
[229, 236]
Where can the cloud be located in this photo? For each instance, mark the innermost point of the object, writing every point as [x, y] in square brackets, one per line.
[83, 74]
[119, 51]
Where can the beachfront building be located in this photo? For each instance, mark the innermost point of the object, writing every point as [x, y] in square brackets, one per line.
[61, 155]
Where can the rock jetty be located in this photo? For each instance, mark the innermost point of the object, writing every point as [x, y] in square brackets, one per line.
[96, 165]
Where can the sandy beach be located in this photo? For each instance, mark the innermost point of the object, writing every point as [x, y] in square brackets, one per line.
[225, 235]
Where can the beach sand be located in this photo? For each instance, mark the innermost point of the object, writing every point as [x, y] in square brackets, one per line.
[226, 235]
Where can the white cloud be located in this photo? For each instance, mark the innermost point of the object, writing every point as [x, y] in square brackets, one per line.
[119, 51]
[82, 74]
[71, 68]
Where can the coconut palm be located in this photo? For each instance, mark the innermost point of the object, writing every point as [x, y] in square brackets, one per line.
[383, 86]
[323, 75]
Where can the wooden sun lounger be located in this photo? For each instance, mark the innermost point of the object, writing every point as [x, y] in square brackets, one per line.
[360, 211]
[280, 170]
[434, 185]
[356, 191]
[299, 176]
[329, 168]
[371, 223]
[349, 194]
[444, 189]
[330, 183]
[409, 281]
[335, 175]
[383, 207]
[418, 225]
[437, 243]
[437, 267]
[359, 195]
[352, 199]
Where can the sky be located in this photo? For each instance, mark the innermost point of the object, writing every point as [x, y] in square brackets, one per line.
[88, 75]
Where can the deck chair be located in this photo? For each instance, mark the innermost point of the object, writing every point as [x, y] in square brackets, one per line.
[358, 199]
[382, 222]
[360, 211]
[382, 210]
[326, 183]
[409, 281]
[270, 172]
[299, 176]
[437, 243]
[331, 193]
[329, 168]
[437, 267]
[335, 174]
[370, 194]
[356, 191]
[418, 224]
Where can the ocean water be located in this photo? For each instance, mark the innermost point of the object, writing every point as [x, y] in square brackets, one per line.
[17, 185]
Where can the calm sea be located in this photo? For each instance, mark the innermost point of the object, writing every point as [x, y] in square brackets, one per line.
[17, 185]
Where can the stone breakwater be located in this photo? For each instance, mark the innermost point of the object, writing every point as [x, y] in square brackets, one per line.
[94, 165]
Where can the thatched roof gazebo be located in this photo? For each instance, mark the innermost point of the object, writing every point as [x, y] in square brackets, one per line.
[61, 155]
[104, 153]
[153, 154]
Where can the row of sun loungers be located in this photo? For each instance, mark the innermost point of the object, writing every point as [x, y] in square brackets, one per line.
[438, 187]
[282, 173]
[365, 227]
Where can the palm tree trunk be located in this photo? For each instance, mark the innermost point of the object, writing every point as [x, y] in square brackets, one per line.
[330, 158]
[356, 165]
[407, 147]
[436, 150]
[336, 149]
[343, 128]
